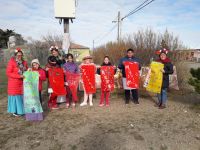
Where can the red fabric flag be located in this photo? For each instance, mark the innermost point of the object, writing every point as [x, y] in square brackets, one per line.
[107, 78]
[88, 76]
[132, 74]
[73, 81]
[56, 81]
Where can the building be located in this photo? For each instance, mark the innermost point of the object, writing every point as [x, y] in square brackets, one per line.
[187, 55]
[79, 51]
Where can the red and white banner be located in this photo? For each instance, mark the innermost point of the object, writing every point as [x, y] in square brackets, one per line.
[132, 74]
[56, 81]
[73, 81]
[107, 78]
[88, 77]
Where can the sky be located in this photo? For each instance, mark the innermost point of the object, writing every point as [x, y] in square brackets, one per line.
[35, 18]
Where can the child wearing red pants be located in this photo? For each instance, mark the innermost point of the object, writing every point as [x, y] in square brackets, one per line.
[56, 82]
[107, 72]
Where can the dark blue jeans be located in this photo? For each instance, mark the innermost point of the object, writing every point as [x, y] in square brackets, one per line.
[162, 97]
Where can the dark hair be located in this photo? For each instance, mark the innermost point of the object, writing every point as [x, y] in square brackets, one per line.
[54, 49]
[19, 52]
[130, 50]
[52, 59]
[107, 57]
[69, 55]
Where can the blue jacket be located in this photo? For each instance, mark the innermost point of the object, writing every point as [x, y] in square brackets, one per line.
[126, 58]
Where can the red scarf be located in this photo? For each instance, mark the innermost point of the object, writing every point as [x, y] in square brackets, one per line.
[167, 60]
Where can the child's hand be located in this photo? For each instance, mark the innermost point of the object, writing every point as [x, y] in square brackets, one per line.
[22, 76]
[162, 70]
[29, 69]
[47, 69]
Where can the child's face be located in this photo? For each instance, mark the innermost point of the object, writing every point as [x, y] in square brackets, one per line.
[70, 59]
[88, 61]
[163, 56]
[54, 53]
[106, 60]
[35, 66]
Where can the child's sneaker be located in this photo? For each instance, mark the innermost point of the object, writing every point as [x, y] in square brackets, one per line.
[67, 105]
[83, 104]
[101, 105]
[107, 105]
[91, 104]
[73, 105]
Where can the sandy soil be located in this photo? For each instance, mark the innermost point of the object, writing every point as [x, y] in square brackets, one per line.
[119, 127]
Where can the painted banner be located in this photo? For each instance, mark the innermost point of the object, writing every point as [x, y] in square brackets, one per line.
[156, 76]
[56, 81]
[107, 78]
[73, 81]
[32, 106]
[88, 77]
[173, 80]
[132, 74]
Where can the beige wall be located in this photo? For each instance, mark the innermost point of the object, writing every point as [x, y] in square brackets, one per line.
[79, 53]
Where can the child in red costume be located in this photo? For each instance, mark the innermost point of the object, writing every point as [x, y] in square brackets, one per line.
[107, 72]
[56, 81]
[88, 70]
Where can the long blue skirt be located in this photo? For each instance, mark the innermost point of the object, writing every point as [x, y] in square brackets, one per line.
[16, 104]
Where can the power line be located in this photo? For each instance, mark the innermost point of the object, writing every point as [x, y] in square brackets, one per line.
[107, 33]
[138, 8]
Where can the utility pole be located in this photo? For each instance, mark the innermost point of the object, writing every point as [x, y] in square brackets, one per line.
[93, 45]
[118, 21]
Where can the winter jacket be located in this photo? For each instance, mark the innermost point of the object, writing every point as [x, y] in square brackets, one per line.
[15, 82]
[126, 58]
[168, 68]
[71, 67]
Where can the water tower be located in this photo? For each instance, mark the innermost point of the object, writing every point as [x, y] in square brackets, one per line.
[65, 11]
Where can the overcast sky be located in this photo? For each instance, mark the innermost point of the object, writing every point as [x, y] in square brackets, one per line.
[34, 18]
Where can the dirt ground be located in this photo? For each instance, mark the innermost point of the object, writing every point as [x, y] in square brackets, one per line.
[119, 127]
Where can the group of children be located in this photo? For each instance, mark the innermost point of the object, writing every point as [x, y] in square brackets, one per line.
[64, 77]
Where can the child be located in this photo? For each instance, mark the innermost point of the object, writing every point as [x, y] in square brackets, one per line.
[42, 75]
[88, 70]
[56, 81]
[168, 69]
[72, 79]
[107, 72]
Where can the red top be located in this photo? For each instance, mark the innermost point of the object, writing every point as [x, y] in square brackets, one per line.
[15, 82]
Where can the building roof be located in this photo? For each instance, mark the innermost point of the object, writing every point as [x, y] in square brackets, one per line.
[77, 46]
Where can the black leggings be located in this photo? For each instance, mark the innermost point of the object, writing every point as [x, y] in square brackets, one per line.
[134, 95]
